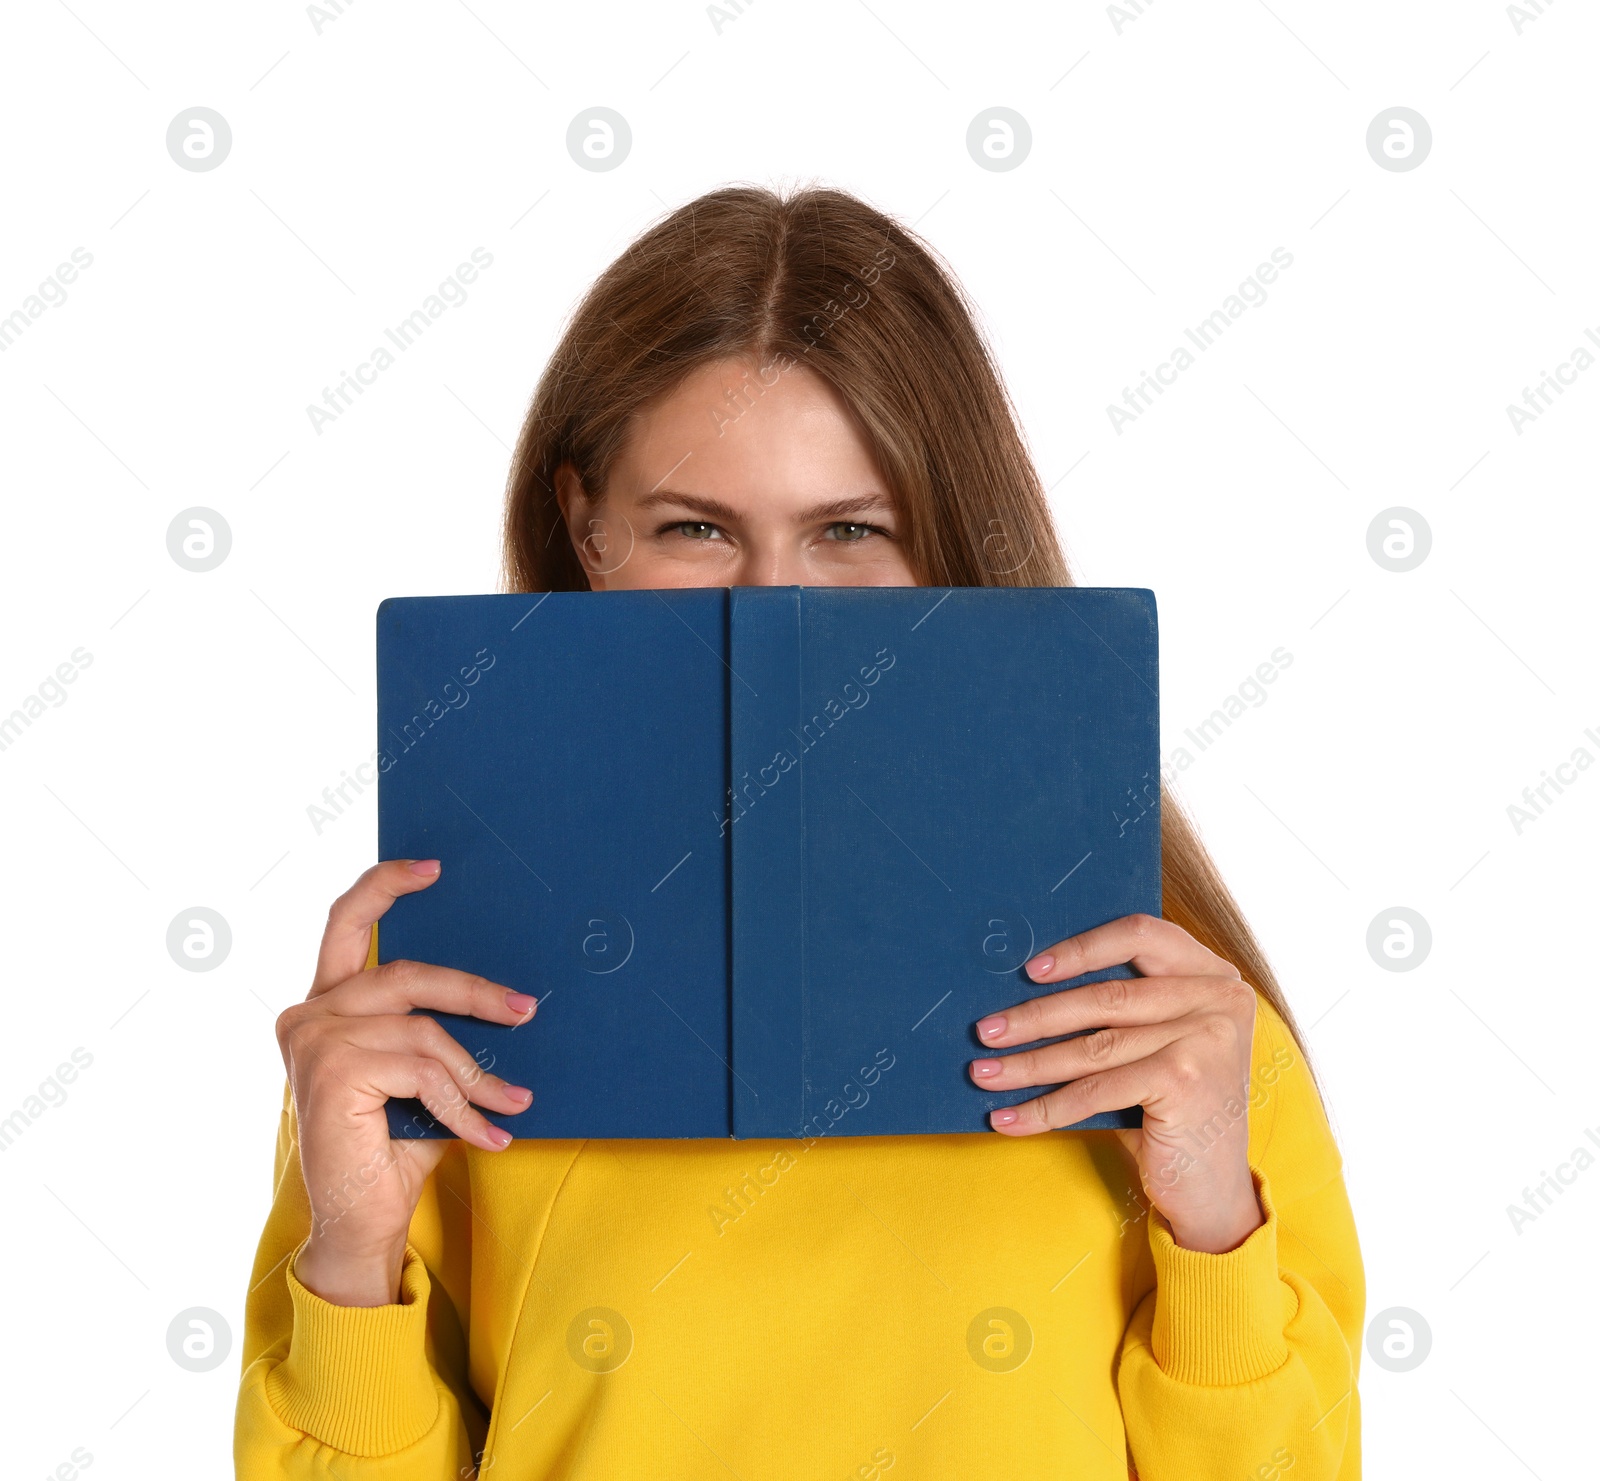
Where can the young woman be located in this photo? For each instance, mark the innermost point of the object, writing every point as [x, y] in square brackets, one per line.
[793, 391]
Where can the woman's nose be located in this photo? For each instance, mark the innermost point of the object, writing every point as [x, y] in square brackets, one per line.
[771, 565]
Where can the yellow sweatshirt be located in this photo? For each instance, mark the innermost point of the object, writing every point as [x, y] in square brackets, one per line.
[849, 1307]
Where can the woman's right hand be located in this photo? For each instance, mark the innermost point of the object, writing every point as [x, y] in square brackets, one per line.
[352, 1045]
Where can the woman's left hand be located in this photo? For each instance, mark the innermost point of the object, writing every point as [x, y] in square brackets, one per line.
[1175, 1040]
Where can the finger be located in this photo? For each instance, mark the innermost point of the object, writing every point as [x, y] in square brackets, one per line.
[419, 1077]
[347, 939]
[1115, 1002]
[1154, 947]
[419, 1035]
[400, 986]
[1074, 1059]
[1128, 1085]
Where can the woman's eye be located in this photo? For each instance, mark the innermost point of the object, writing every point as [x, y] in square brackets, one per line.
[849, 533]
[694, 529]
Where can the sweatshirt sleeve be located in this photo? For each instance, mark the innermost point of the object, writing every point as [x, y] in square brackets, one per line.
[374, 1393]
[1244, 1364]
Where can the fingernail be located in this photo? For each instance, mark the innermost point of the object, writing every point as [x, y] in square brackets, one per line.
[1002, 1118]
[498, 1138]
[1040, 965]
[983, 1068]
[424, 866]
[991, 1027]
[520, 1002]
[519, 1092]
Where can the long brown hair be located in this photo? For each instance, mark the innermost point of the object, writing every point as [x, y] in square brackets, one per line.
[821, 279]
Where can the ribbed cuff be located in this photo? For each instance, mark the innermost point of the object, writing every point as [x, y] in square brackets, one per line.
[1220, 1319]
[357, 1377]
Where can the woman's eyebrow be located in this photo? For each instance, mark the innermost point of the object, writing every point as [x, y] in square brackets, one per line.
[699, 503]
[847, 507]
[832, 509]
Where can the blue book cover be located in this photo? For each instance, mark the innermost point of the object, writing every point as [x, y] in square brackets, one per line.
[763, 854]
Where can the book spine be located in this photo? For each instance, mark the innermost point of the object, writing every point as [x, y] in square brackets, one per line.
[766, 832]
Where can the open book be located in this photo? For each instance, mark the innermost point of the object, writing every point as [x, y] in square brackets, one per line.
[764, 854]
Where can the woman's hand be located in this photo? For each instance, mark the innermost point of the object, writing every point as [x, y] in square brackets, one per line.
[348, 1048]
[1175, 1040]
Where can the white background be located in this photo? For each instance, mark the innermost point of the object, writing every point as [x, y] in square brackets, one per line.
[1172, 151]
